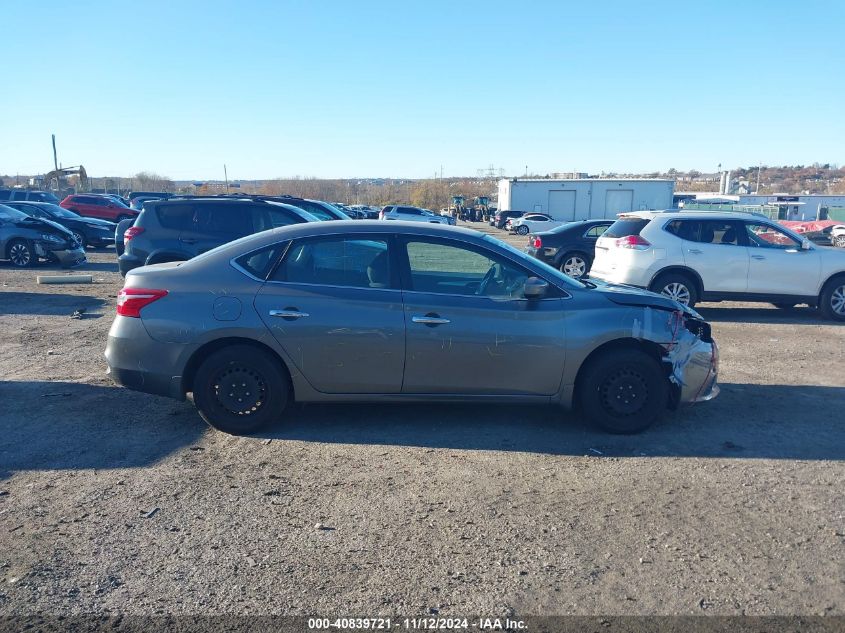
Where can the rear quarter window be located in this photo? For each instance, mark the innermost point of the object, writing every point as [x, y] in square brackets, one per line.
[626, 227]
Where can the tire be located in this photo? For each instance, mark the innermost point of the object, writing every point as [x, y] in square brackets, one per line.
[839, 241]
[245, 370]
[676, 286]
[612, 376]
[79, 236]
[576, 265]
[832, 299]
[522, 230]
[21, 254]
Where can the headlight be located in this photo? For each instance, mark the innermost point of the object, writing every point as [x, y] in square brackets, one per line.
[55, 239]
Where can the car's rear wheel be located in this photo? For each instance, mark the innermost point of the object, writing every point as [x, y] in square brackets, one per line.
[676, 286]
[623, 391]
[839, 241]
[832, 299]
[21, 254]
[574, 264]
[79, 236]
[522, 230]
[241, 389]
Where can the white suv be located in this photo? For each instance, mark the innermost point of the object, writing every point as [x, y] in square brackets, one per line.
[709, 256]
[412, 214]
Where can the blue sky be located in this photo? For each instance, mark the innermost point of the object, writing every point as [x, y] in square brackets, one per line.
[397, 89]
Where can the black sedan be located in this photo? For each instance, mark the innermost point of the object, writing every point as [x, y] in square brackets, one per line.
[87, 231]
[569, 248]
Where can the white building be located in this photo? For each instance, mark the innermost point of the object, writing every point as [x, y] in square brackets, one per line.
[585, 198]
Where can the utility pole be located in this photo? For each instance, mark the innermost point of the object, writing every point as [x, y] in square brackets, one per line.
[759, 169]
[55, 164]
[226, 177]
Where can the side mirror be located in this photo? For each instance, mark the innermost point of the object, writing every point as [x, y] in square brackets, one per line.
[535, 288]
[805, 244]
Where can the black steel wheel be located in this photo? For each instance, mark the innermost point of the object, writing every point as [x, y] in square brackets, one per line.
[623, 390]
[241, 389]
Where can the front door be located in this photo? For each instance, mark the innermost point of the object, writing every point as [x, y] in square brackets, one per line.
[469, 328]
[778, 263]
[334, 305]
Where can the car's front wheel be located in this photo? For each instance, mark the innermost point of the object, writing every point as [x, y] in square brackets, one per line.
[832, 299]
[241, 389]
[623, 391]
[676, 286]
[21, 254]
[839, 241]
[79, 236]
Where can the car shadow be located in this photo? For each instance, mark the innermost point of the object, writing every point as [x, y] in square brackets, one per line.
[745, 421]
[49, 304]
[802, 315]
[63, 425]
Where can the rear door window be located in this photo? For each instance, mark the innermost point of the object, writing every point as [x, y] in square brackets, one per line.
[625, 227]
[357, 262]
[227, 221]
[596, 231]
[266, 217]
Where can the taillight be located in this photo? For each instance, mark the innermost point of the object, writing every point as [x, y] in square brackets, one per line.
[538, 242]
[131, 232]
[131, 300]
[633, 241]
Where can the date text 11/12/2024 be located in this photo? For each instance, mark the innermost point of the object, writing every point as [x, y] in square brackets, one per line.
[413, 624]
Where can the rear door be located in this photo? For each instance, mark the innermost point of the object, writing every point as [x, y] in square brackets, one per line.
[470, 329]
[716, 250]
[334, 305]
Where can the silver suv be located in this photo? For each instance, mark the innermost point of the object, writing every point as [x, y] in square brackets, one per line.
[413, 214]
[709, 256]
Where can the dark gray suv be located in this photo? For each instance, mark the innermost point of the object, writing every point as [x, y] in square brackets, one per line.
[180, 228]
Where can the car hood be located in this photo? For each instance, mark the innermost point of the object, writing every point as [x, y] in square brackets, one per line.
[629, 296]
[38, 223]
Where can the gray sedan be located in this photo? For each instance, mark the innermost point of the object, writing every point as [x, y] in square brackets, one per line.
[372, 311]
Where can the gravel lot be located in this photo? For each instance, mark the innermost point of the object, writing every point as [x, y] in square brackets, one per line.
[119, 502]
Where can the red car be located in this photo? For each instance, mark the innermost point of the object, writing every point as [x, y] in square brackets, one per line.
[95, 206]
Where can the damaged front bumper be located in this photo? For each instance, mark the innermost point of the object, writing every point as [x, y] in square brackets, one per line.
[693, 359]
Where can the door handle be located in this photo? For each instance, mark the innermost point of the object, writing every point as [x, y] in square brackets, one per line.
[289, 314]
[757, 257]
[430, 319]
[695, 251]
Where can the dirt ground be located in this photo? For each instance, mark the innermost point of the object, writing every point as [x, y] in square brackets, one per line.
[119, 502]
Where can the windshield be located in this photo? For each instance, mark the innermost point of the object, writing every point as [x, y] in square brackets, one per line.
[59, 212]
[566, 280]
[8, 213]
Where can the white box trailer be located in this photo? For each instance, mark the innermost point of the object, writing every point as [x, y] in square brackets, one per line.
[587, 199]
